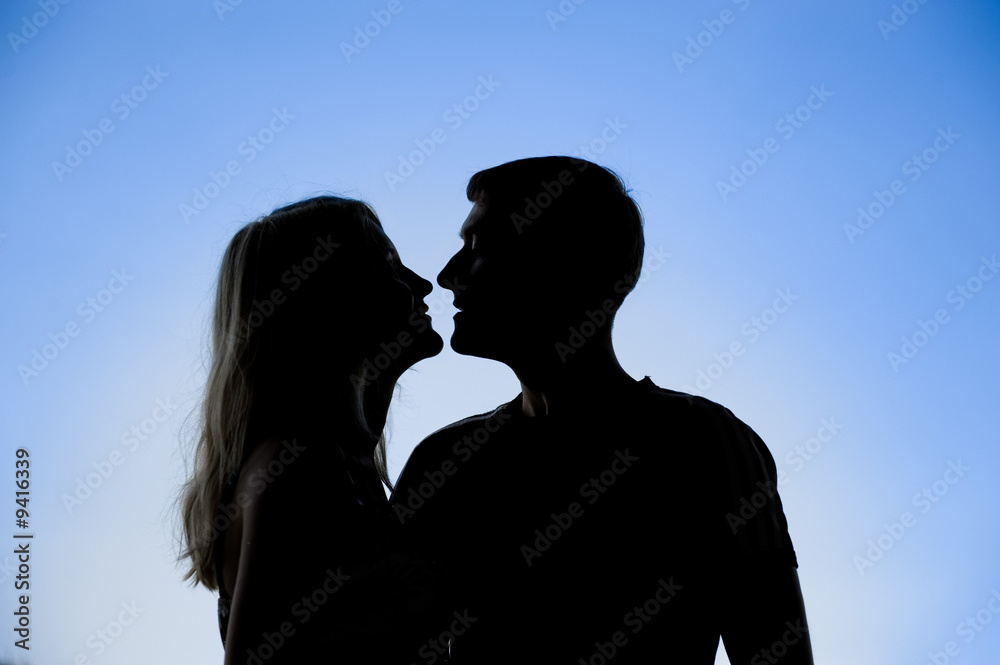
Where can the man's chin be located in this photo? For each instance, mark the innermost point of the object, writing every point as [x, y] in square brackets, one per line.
[470, 342]
[460, 344]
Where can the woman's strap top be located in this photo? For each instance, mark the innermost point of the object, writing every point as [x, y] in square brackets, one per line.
[225, 600]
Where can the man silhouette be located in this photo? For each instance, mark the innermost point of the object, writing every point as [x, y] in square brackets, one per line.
[593, 517]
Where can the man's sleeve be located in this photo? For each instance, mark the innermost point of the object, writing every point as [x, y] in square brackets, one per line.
[760, 599]
[753, 520]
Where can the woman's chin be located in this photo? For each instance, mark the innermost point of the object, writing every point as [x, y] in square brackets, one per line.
[427, 344]
[408, 346]
[426, 340]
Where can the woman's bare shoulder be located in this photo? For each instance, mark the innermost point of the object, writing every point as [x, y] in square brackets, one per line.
[276, 466]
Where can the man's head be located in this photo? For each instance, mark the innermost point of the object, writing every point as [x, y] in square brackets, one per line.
[549, 243]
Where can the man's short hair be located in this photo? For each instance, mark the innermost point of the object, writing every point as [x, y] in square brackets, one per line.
[571, 214]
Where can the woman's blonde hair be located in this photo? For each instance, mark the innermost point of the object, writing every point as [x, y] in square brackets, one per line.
[243, 346]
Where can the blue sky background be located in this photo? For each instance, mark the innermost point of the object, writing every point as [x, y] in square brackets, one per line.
[557, 84]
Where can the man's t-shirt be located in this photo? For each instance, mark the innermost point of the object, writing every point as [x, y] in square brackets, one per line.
[615, 534]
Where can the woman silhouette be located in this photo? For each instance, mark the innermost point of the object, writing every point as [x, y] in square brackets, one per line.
[285, 513]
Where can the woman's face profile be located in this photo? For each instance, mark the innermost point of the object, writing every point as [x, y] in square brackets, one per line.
[400, 326]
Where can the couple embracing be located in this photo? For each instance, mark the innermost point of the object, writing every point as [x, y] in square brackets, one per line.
[590, 519]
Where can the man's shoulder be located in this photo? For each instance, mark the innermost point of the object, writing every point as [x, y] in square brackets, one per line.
[674, 403]
[488, 421]
[707, 425]
[443, 442]
[735, 468]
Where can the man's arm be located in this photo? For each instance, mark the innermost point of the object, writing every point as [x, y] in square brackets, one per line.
[763, 619]
[763, 616]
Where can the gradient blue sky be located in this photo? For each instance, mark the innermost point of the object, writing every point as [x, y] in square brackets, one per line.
[557, 86]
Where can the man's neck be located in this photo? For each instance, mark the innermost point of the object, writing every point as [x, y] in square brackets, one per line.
[574, 387]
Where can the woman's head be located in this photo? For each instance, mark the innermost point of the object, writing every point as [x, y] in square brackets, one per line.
[306, 296]
[307, 300]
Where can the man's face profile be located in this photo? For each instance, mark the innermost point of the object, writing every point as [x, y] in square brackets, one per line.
[497, 291]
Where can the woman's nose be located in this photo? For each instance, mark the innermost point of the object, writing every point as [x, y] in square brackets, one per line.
[425, 286]
[420, 286]
[444, 277]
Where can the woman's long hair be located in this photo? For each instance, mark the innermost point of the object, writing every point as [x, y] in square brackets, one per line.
[256, 339]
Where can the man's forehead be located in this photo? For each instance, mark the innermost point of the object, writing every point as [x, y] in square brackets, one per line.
[484, 219]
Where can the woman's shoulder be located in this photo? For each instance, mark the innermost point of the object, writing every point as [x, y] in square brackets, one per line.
[297, 466]
[279, 453]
